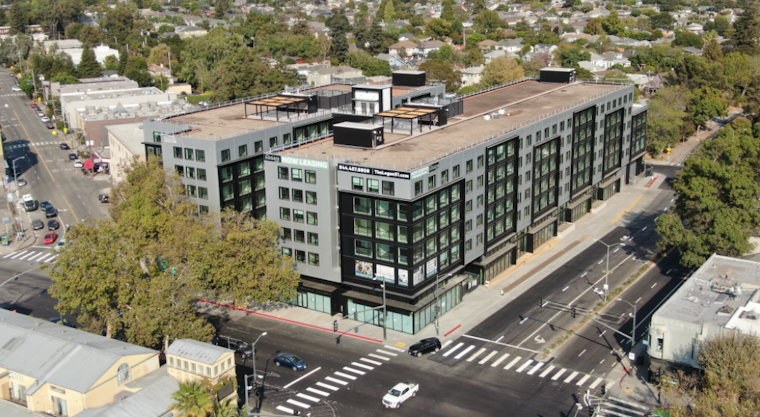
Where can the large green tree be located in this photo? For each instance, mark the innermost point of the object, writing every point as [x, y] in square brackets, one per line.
[88, 66]
[19, 17]
[500, 71]
[747, 28]
[444, 72]
[666, 118]
[193, 400]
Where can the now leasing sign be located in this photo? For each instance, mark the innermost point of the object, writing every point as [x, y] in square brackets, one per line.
[297, 161]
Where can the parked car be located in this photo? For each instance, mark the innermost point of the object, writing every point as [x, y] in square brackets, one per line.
[51, 212]
[103, 198]
[34, 106]
[65, 147]
[31, 205]
[21, 182]
[243, 348]
[40, 114]
[50, 125]
[27, 197]
[37, 224]
[53, 225]
[45, 204]
[59, 247]
[50, 238]
[430, 344]
[15, 88]
[72, 156]
[290, 360]
[77, 163]
[45, 119]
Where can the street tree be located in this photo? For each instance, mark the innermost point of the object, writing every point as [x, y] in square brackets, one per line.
[500, 71]
[444, 72]
[666, 118]
[88, 66]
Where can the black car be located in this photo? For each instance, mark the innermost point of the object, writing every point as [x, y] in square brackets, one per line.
[430, 344]
[72, 156]
[238, 346]
[50, 212]
[31, 205]
[53, 225]
[37, 224]
[103, 198]
[45, 204]
[66, 147]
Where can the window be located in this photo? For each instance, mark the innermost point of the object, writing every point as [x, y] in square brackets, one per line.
[282, 173]
[373, 186]
[357, 183]
[258, 146]
[242, 150]
[311, 177]
[188, 154]
[479, 219]
[178, 152]
[298, 216]
[389, 188]
[468, 226]
[455, 172]
[384, 252]
[468, 187]
[401, 233]
[189, 172]
[362, 205]
[202, 209]
[480, 239]
[286, 139]
[383, 209]
[480, 161]
[244, 169]
[273, 142]
[444, 176]
[363, 248]
[203, 193]
[468, 245]
[384, 231]
[200, 155]
[244, 187]
[225, 155]
[287, 234]
[180, 170]
[296, 174]
[226, 174]
[480, 200]
[311, 218]
[300, 256]
[313, 259]
[418, 188]
[468, 206]
[300, 236]
[431, 182]
[363, 227]
[468, 166]
[313, 239]
[123, 374]
[298, 196]
[311, 197]
[191, 190]
[284, 213]
[284, 193]
[157, 137]
[480, 181]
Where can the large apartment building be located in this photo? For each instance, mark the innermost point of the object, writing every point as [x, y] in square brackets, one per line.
[424, 198]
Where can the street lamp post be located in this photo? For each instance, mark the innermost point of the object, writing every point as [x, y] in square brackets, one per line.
[633, 330]
[15, 176]
[385, 310]
[607, 270]
[253, 360]
[437, 307]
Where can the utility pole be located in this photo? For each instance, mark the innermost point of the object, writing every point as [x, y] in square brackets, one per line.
[607, 271]
[385, 309]
[15, 175]
[255, 382]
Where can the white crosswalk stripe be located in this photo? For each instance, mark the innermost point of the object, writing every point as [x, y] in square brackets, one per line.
[476, 354]
[347, 376]
[464, 352]
[546, 371]
[298, 403]
[48, 259]
[386, 353]
[583, 380]
[38, 255]
[316, 391]
[595, 383]
[489, 356]
[370, 361]
[524, 365]
[378, 356]
[308, 397]
[500, 360]
[330, 387]
[570, 378]
[394, 348]
[9, 255]
[18, 254]
[535, 368]
[511, 364]
[446, 343]
[335, 380]
[558, 374]
[356, 371]
[452, 350]
[361, 365]
[286, 410]
[26, 256]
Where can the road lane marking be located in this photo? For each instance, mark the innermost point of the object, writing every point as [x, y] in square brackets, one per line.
[452, 350]
[637, 301]
[616, 249]
[29, 138]
[361, 365]
[347, 376]
[595, 383]
[584, 274]
[475, 355]
[600, 262]
[602, 361]
[500, 360]
[559, 374]
[71, 208]
[286, 410]
[535, 368]
[570, 378]
[11, 254]
[628, 209]
[602, 333]
[613, 364]
[335, 380]
[370, 361]
[319, 392]
[378, 356]
[464, 352]
[566, 288]
[497, 340]
[386, 353]
[514, 361]
[356, 371]
[583, 380]
[653, 285]
[524, 365]
[523, 320]
[330, 387]
[546, 371]
[298, 403]
[302, 377]
[308, 397]
[581, 354]
[394, 348]
[489, 356]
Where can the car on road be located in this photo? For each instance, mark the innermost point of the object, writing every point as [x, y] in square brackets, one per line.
[31, 205]
[400, 393]
[40, 113]
[72, 156]
[34, 106]
[45, 204]
[27, 197]
[51, 212]
[50, 125]
[238, 346]
[77, 163]
[53, 225]
[59, 247]
[21, 182]
[50, 238]
[428, 345]
[45, 119]
[65, 147]
[290, 360]
[37, 224]
[15, 88]
[103, 198]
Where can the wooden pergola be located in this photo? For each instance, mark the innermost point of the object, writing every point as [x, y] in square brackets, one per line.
[284, 103]
[410, 114]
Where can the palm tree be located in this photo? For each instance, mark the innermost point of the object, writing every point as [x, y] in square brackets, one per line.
[193, 400]
[226, 409]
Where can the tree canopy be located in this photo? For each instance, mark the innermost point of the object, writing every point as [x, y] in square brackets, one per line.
[501, 71]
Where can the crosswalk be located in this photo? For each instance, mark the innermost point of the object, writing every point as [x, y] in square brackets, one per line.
[518, 364]
[32, 256]
[28, 144]
[13, 94]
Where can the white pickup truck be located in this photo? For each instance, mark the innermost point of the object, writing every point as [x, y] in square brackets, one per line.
[400, 393]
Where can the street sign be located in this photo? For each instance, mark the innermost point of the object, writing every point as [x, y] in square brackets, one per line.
[631, 356]
[10, 197]
[6, 219]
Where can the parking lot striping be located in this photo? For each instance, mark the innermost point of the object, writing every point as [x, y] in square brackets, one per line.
[386, 353]
[602, 361]
[525, 365]
[378, 356]
[559, 374]
[286, 410]
[476, 354]
[500, 360]
[319, 392]
[546, 371]
[535, 368]
[394, 348]
[347, 376]
[600, 262]
[298, 403]
[452, 350]
[302, 377]
[308, 397]
[654, 285]
[595, 383]
[464, 352]
[514, 361]
[583, 380]
[570, 378]
[356, 371]
[337, 381]
[323, 385]
[361, 365]
[370, 361]
[489, 356]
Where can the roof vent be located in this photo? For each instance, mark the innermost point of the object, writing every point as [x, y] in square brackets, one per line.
[726, 310]
[749, 315]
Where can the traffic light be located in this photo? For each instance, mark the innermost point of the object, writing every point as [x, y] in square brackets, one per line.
[335, 326]
[540, 302]
[591, 412]
[604, 389]
[572, 312]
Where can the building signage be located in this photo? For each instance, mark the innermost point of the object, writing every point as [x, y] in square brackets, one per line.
[296, 161]
[366, 95]
[374, 171]
[420, 172]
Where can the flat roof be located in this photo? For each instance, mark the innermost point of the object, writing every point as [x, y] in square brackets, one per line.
[222, 122]
[524, 103]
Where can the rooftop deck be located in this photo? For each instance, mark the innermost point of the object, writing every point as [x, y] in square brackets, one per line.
[524, 104]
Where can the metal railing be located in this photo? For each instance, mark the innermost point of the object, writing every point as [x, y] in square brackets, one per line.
[495, 87]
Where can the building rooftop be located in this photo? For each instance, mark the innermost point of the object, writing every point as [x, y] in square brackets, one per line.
[524, 103]
[196, 351]
[130, 135]
[154, 397]
[723, 292]
[109, 94]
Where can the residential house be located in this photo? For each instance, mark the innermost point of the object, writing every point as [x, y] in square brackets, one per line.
[487, 45]
[426, 47]
[496, 53]
[408, 45]
[185, 32]
[615, 58]
[690, 50]
[543, 48]
[696, 28]
[471, 76]
[394, 60]
[61, 44]
[513, 47]
[159, 70]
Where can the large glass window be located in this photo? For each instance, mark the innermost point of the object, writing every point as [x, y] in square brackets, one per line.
[200, 155]
[373, 186]
[363, 227]
[357, 183]
[384, 231]
[282, 173]
[311, 197]
[362, 206]
[298, 216]
[389, 188]
[383, 209]
[311, 218]
[362, 248]
[311, 177]
[296, 174]
[384, 252]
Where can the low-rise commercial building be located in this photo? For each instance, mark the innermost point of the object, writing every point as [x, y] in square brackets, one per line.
[125, 143]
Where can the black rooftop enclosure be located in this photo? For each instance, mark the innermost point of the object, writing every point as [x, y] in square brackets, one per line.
[409, 78]
[557, 75]
[360, 135]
